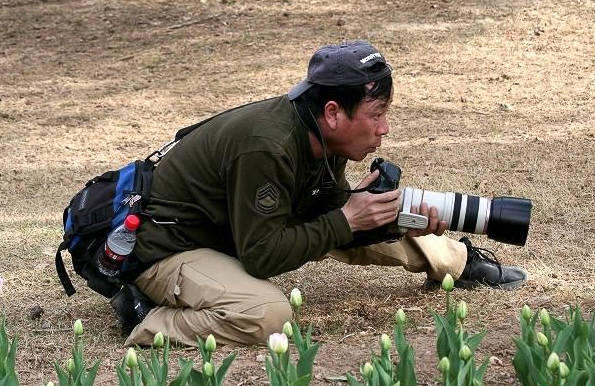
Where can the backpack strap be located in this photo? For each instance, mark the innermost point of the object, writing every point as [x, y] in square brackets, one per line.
[112, 175]
[62, 274]
[144, 179]
[187, 130]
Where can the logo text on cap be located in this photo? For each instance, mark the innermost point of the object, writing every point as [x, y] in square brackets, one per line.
[370, 57]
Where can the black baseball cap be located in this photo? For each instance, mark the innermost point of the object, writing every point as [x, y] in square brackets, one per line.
[347, 64]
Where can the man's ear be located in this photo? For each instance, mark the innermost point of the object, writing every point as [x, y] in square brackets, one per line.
[331, 114]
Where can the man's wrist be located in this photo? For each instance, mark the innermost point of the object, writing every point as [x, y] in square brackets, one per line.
[347, 218]
[343, 231]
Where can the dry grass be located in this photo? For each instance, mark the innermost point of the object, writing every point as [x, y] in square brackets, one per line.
[490, 98]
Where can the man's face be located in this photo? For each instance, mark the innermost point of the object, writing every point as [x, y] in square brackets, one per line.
[360, 135]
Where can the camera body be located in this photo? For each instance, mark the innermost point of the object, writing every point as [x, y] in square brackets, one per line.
[504, 219]
[389, 178]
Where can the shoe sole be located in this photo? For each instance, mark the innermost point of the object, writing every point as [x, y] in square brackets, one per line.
[431, 284]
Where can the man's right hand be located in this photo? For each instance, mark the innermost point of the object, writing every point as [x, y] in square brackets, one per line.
[365, 211]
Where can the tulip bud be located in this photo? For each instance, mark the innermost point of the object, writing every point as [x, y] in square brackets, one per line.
[526, 313]
[287, 329]
[78, 328]
[544, 316]
[401, 318]
[210, 343]
[542, 339]
[564, 370]
[278, 343]
[462, 310]
[448, 283]
[367, 370]
[208, 369]
[444, 365]
[465, 353]
[50, 383]
[131, 359]
[553, 362]
[158, 340]
[385, 342]
[295, 298]
[70, 365]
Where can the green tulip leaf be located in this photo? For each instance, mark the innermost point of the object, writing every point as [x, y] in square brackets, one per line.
[474, 341]
[184, 374]
[306, 360]
[62, 375]
[482, 370]
[447, 338]
[154, 367]
[406, 367]
[123, 377]
[352, 381]
[302, 381]
[222, 370]
[563, 340]
[384, 378]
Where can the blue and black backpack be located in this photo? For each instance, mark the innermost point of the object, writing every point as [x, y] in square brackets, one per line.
[101, 206]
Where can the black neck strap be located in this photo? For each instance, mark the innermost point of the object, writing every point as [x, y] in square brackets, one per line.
[308, 119]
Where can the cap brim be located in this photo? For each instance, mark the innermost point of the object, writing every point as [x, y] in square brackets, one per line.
[299, 89]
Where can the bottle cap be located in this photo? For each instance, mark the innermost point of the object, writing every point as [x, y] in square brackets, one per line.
[132, 222]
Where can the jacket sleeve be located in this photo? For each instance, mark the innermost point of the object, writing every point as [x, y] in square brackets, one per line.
[268, 239]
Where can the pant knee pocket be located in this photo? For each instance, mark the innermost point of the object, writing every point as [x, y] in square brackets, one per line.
[188, 287]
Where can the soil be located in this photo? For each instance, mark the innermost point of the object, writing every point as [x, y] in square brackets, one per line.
[491, 98]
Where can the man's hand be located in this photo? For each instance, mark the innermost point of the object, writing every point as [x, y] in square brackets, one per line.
[365, 211]
[435, 226]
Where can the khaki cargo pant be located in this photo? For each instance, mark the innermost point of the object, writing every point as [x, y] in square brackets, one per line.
[203, 291]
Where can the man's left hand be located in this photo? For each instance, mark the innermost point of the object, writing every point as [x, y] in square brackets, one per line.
[435, 226]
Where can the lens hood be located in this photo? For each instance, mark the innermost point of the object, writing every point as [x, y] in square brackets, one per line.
[509, 220]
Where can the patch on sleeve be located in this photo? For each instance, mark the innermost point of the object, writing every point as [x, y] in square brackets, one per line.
[267, 198]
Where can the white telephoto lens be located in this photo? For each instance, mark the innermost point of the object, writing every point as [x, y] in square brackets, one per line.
[461, 212]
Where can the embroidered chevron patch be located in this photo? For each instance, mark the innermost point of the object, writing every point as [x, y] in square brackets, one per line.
[267, 198]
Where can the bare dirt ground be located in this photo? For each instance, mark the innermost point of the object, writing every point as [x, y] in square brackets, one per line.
[491, 98]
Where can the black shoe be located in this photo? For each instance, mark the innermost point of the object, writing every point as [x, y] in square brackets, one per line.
[481, 269]
[131, 307]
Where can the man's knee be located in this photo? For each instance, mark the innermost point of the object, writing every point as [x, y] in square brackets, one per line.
[266, 319]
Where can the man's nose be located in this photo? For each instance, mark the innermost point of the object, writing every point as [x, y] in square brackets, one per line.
[383, 128]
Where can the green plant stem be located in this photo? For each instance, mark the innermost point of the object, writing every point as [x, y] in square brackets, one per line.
[284, 363]
[296, 312]
[133, 376]
[461, 333]
[547, 331]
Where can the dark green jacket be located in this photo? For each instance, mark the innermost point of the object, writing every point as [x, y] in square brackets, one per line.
[246, 183]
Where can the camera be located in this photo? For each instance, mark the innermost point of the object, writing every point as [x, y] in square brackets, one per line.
[504, 219]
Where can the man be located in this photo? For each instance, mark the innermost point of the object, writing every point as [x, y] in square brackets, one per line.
[260, 190]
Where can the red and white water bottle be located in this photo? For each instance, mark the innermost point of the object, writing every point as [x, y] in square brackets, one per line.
[120, 243]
